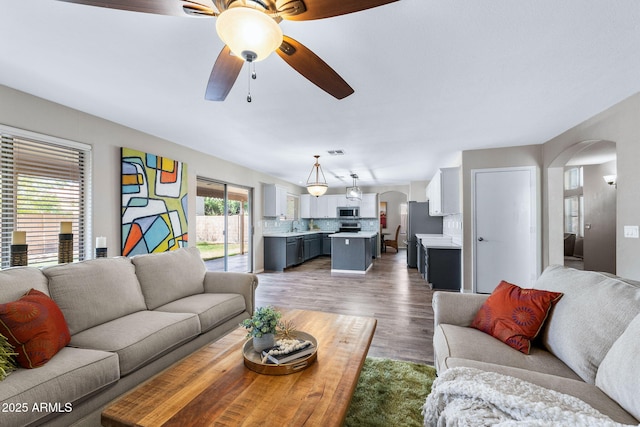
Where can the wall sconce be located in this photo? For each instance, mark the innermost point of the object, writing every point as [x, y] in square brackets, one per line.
[611, 180]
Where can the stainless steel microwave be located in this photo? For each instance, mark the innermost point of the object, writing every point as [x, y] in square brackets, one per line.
[349, 212]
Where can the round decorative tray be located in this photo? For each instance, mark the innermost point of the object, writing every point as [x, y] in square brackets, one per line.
[253, 359]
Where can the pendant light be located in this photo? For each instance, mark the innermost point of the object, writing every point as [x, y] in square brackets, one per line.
[354, 193]
[316, 188]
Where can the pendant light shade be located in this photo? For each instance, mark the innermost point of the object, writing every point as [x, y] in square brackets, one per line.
[249, 33]
[315, 187]
[354, 192]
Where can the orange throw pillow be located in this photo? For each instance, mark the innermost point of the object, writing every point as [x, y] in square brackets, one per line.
[515, 315]
[36, 328]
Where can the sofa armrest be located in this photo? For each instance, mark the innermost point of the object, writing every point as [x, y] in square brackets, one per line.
[455, 308]
[234, 283]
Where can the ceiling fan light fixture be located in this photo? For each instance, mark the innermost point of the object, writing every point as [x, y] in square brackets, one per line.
[249, 33]
[316, 188]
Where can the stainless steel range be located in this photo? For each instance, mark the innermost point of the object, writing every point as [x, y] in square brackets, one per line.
[349, 227]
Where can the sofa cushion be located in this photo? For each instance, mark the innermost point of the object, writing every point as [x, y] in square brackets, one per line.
[515, 315]
[586, 392]
[451, 341]
[619, 372]
[590, 298]
[15, 282]
[169, 276]
[93, 292]
[70, 376]
[212, 309]
[139, 338]
[35, 327]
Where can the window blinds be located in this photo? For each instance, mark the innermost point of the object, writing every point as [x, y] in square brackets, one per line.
[43, 184]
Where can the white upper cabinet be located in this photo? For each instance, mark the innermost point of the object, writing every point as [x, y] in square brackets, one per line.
[274, 200]
[443, 192]
[309, 206]
[327, 206]
[369, 206]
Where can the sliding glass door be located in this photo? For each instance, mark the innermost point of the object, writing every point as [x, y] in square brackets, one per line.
[223, 225]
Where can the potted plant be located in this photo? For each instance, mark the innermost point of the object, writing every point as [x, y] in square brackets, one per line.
[262, 327]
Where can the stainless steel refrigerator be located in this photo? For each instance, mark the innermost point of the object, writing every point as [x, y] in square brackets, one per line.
[419, 222]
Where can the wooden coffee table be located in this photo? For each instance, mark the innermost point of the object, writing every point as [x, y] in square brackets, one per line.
[213, 387]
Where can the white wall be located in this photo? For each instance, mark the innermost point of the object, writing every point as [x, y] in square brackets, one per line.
[27, 112]
[528, 155]
[620, 124]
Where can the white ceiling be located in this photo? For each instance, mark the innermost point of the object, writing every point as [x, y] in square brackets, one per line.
[431, 78]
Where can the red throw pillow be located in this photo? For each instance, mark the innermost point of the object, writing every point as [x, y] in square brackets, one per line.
[36, 328]
[515, 315]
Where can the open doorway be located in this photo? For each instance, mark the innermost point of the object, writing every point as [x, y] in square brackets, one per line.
[589, 206]
[223, 231]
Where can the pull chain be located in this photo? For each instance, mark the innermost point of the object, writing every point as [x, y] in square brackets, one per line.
[252, 76]
[249, 83]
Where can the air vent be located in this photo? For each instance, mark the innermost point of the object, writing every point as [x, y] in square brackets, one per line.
[336, 152]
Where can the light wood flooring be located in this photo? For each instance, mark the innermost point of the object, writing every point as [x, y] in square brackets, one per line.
[394, 294]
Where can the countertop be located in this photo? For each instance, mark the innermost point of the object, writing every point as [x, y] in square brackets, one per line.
[358, 235]
[296, 233]
[437, 241]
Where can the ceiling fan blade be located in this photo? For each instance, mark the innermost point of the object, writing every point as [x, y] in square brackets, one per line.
[305, 10]
[197, 8]
[223, 76]
[313, 68]
[160, 7]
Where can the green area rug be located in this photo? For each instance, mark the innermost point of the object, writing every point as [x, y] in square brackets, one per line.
[390, 393]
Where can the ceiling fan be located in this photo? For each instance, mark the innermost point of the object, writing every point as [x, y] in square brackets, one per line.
[250, 30]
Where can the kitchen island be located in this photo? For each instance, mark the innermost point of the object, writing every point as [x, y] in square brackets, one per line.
[353, 252]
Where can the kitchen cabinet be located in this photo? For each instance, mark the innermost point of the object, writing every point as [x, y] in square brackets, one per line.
[326, 206]
[443, 192]
[326, 244]
[309, 206]
[283, 252]
[274, 200]
[352, 252]
[442, 268]
[312, 246]
[369, 206]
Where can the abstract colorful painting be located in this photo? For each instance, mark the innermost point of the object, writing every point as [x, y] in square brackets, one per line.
[154, 203]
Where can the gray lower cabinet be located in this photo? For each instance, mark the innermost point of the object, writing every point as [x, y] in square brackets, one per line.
[284, 252]
[326, 244]
[295, 251]
[356, 254]
[312, 246]
[442, 268]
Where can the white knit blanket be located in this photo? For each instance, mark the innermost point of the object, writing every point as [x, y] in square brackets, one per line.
[470, 397]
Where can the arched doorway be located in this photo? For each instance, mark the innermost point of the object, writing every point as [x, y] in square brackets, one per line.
[393, 212]
[582, 206]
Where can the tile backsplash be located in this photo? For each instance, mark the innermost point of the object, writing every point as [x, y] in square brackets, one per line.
[326, 224]
[452, 226]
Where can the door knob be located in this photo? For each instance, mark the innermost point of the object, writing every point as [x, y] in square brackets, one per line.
[480, 239]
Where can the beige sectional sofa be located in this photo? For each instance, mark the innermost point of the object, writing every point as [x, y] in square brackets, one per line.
[589, 346]
[128, 320]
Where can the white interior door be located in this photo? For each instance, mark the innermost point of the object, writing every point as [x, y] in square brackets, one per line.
[505, 232]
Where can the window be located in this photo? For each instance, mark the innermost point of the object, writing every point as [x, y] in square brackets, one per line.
[573, 178]
[573, 201]
[44, 182]
[293, 203]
